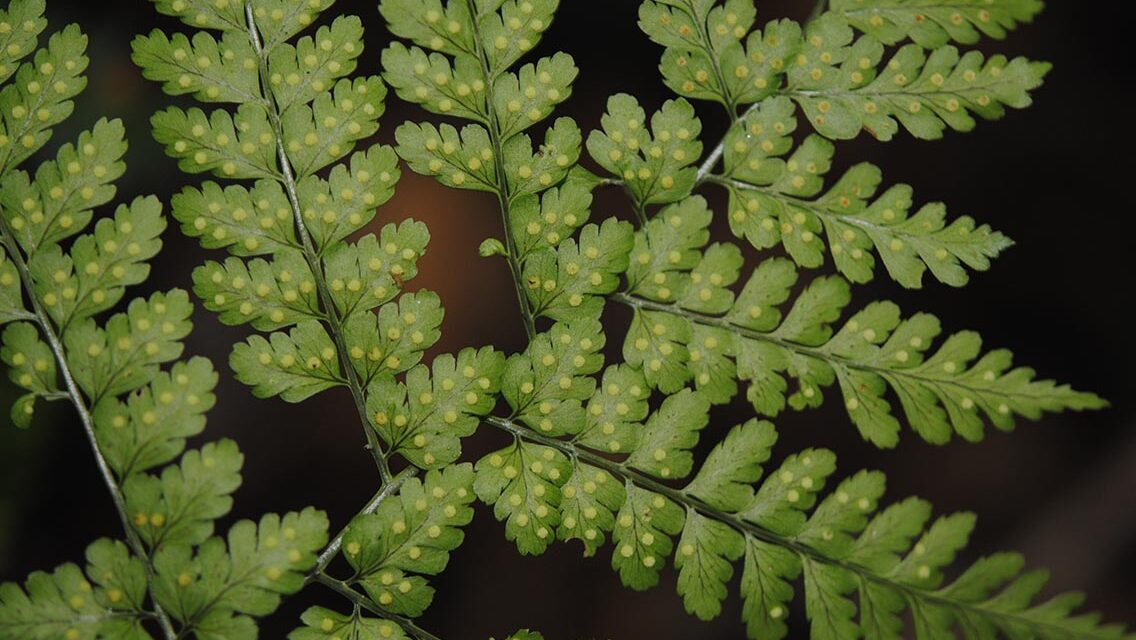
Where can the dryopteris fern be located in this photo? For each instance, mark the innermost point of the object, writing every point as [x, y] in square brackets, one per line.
[594, 450]
[333, 309]
[588, 457]
[172, 575]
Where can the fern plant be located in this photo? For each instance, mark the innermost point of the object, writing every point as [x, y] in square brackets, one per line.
[61, 276]
[592, 449]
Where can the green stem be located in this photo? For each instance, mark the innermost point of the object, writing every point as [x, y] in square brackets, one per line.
[707, 167]
[504, 196]
[41, 318]
[363, 602]
[332, 318]
[747, 528]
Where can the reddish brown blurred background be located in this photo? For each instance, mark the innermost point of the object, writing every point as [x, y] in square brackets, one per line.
[1063, 490]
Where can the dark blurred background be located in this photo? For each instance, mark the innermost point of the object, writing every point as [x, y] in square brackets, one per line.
[1062, 490]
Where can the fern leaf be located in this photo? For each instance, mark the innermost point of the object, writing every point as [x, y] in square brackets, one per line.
[541, 193]
[707, 550]
[411, 537]
[324, 624]
[25, 22]
[126, 353]
[179, 507]
[367, 274]
[294, 365]
[57, 202]
[235, 146]
[753, 339]
[837, 85]
[218, 587]
[346, 201]
[39, 97]
[775, 198]
[106, 600]
[530, 95]
[663, 448]
[203, 14]
[568, 284]
[462, 160]
[513, 30]
[836, 78]
[726, 477]
[424, 418]
[589, 500]
[642, 536]
[444, 28]
[547, 384]
[11, 291]
[136, 415]
[210, 70]
[544, 221]
[934, 23]
[861, 570]
[94, 276]
[267, 295]
[523, 483]
[432, 81]
[328, 130]
[528, 172]
[708, 55]
[305, 70]
[31, 364]
[249, 222]
[394, 342]
[614, 409]
[655, 163]
[149, 428]
[333, 304]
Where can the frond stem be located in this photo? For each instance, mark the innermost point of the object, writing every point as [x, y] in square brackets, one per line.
[745, 527]
[47, 328]
[707, 166]
[504, 196]
[332, 318]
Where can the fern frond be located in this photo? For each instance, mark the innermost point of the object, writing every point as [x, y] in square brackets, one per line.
[839, 84]
[689, 327]
[293, 269]
[776, 198]
[839, 80]
[934, 23]
[654, 163]
[460, 66]
[862, 570]
[106, 599]
[220, 586]
[333, 310]
[60, 274]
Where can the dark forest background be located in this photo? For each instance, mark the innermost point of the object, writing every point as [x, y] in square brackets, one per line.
[1052, 177]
